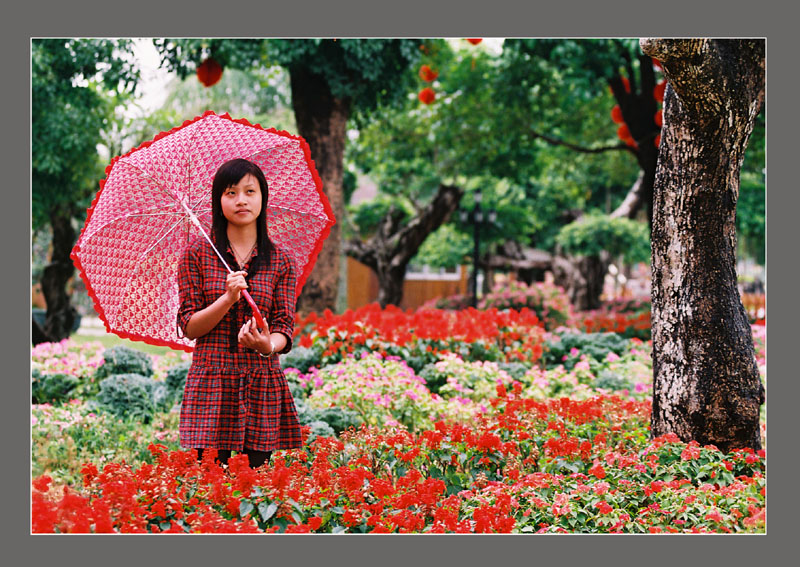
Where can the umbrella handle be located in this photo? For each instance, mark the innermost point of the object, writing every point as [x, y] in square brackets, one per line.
[256, 313]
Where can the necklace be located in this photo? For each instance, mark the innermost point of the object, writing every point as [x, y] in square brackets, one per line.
[242, 260]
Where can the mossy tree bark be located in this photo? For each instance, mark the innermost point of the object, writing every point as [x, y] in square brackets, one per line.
[707, 386]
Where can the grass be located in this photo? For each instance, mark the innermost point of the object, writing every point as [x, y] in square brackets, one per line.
[109, 340]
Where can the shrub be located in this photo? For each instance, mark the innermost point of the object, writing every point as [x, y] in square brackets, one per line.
[52, 388]
[124, 360]
[567, 347]
[549, 302]
[129, 396]
[302, 358]
[176, 380]
[337, 419]
[593, 233]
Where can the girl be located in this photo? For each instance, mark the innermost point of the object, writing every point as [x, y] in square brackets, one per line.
[236, 396]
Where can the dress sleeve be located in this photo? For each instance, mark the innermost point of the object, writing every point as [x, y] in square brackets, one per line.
[190, 287]
[283, 301]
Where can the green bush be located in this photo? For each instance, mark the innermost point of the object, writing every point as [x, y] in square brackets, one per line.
[123, 360]
[302, 358]
[130, 396]
[176, 380]
[516, 370]
[594, 345]
[52, 388]
[610, 380]
[594, 233]
[336, 418]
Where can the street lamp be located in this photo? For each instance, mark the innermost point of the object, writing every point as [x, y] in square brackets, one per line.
[477, 218]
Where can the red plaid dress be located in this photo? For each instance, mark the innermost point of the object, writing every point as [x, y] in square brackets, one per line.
[235, 399]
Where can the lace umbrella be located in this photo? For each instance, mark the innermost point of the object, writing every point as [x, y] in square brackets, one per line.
[157, 198]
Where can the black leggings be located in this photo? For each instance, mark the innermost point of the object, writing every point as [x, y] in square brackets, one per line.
[256, 458]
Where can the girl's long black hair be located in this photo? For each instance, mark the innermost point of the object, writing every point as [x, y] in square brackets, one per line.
[228, 174]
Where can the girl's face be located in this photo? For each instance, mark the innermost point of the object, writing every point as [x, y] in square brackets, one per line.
[241, 203]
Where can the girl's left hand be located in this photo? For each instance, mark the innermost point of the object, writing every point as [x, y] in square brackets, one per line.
[251, 337]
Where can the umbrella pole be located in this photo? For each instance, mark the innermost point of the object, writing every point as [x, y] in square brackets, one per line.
[256, 313]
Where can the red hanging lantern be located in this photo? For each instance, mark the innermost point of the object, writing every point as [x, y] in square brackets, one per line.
[657, 140]
[659, 118]
[475, 40]
[624, 133]
[657, 64]
[616, 114]
[427, 74]
[209, 72]
[427, 95]
[658, 91]
[631, 142]
[626, 83]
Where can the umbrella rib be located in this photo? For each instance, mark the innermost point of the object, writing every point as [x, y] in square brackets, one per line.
[149, 176]
[162, 237]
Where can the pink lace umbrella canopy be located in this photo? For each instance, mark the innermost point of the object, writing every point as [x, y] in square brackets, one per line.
[157, 198]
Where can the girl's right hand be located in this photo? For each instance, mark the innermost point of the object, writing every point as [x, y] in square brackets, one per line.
[235, 283]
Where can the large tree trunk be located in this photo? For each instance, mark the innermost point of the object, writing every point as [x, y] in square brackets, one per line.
[395, 243]
[61, 314]
[322, 121]
[706, 382]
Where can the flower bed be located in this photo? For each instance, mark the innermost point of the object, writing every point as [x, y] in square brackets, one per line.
[475, 421]
[418, 337]
[554, 466]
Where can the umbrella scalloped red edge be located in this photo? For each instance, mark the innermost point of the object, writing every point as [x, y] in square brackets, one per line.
[301, 278]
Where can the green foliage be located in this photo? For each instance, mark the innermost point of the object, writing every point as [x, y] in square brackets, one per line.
[369, 72]
[124, 360]
[336, 418]
[610, 380]
[75, 86]
[130, 396]
[751, 215]
[367, 215]
[592, 234]
[52, 388]
[446, 247]
[594, 345]
[366, 71]
[176, 380]
[302, 358]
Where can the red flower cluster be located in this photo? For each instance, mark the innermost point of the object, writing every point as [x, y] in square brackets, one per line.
[515, 335]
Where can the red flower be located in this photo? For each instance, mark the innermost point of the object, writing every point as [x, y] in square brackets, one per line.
[598, 471]
[474, 40]
[427, 74]
[690, 452]
[427, 95]
[209, 72]
[603, 507]
[658, 91]
[42, 483]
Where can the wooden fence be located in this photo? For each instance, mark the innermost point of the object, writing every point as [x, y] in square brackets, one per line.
[362, 286]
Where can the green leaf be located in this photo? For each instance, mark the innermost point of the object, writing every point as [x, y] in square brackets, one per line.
[245, 507]
[267, 510]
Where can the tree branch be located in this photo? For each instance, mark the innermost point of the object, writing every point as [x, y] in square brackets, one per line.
[633, 200]
[556, 142]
